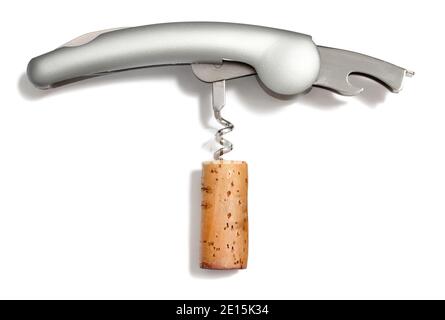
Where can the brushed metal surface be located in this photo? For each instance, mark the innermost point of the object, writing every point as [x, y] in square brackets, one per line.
[337, 65]
[286, 62]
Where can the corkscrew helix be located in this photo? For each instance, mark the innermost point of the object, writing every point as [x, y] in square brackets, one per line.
[217, 74]
[218, 101]
[285, 62]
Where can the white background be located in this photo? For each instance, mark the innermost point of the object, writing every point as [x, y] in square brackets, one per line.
[99, 181]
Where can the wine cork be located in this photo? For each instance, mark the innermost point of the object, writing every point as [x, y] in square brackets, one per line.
[224, 222]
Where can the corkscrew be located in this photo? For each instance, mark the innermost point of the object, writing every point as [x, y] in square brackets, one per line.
[285, 62]
[219, 101]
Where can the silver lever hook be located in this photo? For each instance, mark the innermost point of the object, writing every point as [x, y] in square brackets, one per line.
[218, 101]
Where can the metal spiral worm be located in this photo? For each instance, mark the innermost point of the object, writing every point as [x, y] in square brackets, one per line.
[219, 100]
[227, 146]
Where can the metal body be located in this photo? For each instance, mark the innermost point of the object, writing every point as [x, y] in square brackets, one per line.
[218, 102]
[286, 62]
[338, 64]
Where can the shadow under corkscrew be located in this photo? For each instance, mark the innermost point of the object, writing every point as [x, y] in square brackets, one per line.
[250, 94]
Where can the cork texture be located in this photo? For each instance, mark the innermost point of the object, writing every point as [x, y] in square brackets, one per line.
[224, 221]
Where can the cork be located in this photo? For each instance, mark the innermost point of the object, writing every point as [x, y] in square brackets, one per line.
[224, 221]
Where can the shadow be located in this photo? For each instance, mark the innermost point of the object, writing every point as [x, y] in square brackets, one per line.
[183, 75]
[195, 229]
[258, 98]
[374, 92]
[251, 93]
[249, 90]
[321, 99]
[28, 91]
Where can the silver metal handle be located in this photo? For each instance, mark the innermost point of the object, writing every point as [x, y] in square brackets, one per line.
[285, 61]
